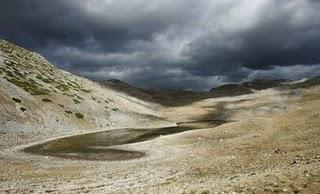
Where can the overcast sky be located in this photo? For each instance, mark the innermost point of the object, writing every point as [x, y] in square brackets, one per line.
[182, 44]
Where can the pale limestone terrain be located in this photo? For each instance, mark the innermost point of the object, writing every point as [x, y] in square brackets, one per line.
[272, 144]
[31, 79]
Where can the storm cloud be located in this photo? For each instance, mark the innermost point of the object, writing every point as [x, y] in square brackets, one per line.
[184, 44]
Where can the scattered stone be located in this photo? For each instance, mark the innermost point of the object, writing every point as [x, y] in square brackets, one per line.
[294, 162]
[234, 177]
[285, 190]
[277, 151]
[23, 109]
[17, 100]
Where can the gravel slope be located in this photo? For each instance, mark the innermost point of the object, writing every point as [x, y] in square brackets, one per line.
[273, 145]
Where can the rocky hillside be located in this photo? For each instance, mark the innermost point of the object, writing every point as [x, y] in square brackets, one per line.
[36, 98]
[247, 87]
[180, 98]
[128, 89]
[164, 97]
[175, 97]
[306, 83]
[261, 84]
[231, 89]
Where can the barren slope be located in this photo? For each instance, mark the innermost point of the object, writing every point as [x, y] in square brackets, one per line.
[39, 100]
[272, 145]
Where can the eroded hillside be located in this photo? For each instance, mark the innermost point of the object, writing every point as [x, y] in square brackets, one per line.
[37, 99]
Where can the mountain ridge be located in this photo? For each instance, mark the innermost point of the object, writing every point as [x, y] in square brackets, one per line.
[171, 97]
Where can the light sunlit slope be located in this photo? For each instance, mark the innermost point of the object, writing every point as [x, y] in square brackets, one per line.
[37, 99]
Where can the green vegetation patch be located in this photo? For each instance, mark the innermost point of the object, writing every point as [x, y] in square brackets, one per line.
[13, 72]
[16, 100]
[46, 100]
[34, 82]
[24, 55]
[9, 73]
[110, 100]
[78, 97]
[18, 73]
[79, 115]
[66, 94]
[76, 101]
[40, 92]
[44, 79]
[86, 90]
[74, 86]
[6, 48]
[63, 87]
[9, 63]
[29, 86]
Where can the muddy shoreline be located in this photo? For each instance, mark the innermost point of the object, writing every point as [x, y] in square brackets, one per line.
[98, 145]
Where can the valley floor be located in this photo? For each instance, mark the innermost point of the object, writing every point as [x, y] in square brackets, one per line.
[273, 145]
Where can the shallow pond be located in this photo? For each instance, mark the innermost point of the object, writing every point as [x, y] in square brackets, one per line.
[96, 146]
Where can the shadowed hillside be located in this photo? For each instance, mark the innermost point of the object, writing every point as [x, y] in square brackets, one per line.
[180, 97]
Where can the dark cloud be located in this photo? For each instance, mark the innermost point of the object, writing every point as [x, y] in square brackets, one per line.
[191, 44]
[281, 34]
